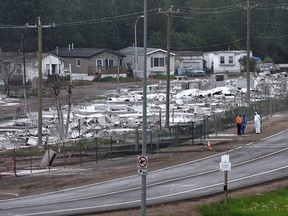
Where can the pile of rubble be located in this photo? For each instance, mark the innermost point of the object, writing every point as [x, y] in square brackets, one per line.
[190, 100]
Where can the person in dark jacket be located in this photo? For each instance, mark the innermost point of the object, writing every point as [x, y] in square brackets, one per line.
[243, 125]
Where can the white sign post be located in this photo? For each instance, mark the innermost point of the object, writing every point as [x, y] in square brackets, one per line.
[225, 166]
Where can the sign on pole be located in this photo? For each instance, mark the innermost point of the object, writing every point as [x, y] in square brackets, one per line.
[142, 164]
[225, 166]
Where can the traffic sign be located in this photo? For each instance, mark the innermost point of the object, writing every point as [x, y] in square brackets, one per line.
[142, 162]
[142, 172]
[224, 166]
[225, 158]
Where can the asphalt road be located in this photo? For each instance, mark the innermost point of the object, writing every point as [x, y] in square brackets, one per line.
[252, 163]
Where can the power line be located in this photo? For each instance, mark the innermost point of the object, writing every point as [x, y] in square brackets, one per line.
[99, 20]
[234, 41]
[191, 11]
[270, 37]
[207, 9]
[216, 45]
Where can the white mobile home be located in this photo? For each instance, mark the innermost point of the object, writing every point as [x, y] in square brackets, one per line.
[13, 64]
[156, 60]
[225, 61]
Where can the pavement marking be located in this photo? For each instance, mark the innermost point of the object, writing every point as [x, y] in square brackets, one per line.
[219, 139]
[159, 197]
[268, 146]
[274, 135]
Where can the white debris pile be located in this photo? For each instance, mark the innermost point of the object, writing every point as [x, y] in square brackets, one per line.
[4, 101]
[123, 111]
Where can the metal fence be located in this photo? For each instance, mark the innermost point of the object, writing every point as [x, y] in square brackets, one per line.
[78, 152]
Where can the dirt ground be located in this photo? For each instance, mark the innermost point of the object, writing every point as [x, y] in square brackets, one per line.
[91, 173]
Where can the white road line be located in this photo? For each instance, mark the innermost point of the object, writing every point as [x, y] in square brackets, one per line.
[180, 178]
[158, 197]
[274, 135]
[267, 146]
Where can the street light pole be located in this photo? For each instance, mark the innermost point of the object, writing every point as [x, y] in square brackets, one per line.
[136, 46]
[144, 126]
[118, 66]
[22, 36]
[39, 27]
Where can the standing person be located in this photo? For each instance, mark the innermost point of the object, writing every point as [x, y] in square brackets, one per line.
[238, 120]
[257, 122]
[244, 122]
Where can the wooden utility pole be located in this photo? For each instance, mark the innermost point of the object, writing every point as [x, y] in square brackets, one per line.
[169, 14]
[248, 9]
[39, 26]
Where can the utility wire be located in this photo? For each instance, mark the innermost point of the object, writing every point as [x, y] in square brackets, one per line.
[235, 41]
[187, 11]
[271, 37]
[106, 19]
[207, 9]
[215, 45]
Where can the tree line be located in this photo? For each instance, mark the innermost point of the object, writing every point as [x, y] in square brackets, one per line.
[200, 25]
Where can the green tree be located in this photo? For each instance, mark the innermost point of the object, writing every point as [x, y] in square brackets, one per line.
[253, 63]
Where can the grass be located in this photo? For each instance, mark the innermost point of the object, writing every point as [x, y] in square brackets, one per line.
[273, 203]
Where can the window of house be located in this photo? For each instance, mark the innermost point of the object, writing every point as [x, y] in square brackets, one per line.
[78, 62]
[99, 62]
[231, 60]
[19, 68]
[157, 62]
[110, 62]
[222, 60]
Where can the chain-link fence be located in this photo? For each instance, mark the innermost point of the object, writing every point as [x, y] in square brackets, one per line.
[78, 152]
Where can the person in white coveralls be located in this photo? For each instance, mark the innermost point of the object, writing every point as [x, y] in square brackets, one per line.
[257, 122]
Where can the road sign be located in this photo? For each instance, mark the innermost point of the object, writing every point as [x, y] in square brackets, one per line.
[224, 166]
[225, 158]
[142, 172]
[142, 162]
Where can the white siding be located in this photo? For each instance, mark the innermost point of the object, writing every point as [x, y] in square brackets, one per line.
[221, 61]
